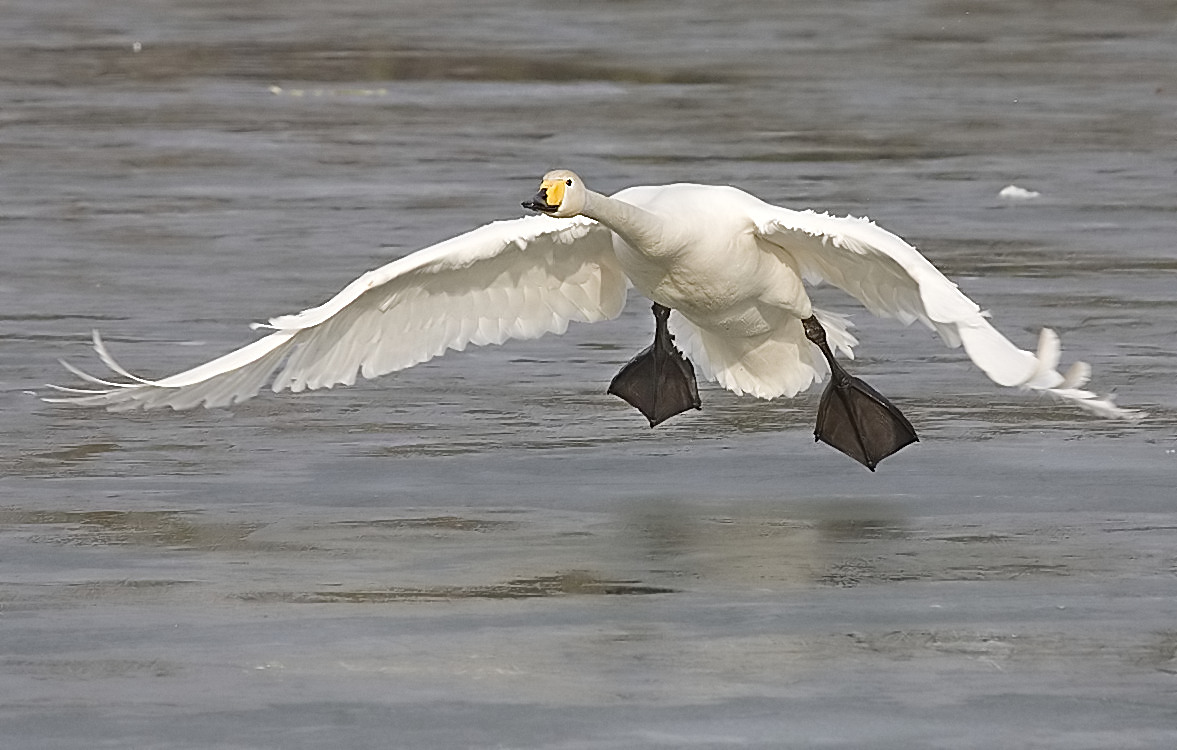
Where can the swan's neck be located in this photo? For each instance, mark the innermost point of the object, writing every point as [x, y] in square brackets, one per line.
[641, 229]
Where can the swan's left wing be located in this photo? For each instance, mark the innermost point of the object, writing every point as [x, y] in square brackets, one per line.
[510, 279]
[893, 280]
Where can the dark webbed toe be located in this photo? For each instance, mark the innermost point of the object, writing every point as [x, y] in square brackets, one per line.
[859, 421]
[853, 417]
[659, 382]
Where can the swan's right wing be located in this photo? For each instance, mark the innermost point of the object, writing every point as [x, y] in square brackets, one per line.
[520, 278]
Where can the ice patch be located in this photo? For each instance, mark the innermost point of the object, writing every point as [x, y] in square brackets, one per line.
[1013, 192]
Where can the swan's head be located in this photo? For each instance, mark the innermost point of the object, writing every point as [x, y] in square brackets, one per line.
[561, 194]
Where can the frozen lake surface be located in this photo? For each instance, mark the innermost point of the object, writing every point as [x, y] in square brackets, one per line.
[487, 551]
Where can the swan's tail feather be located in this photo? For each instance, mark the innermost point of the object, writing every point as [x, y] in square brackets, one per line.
[780, 363]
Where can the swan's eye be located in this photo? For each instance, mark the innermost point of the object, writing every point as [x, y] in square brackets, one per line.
[568, 183]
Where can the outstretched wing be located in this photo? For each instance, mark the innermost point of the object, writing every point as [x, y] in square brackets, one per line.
[510, 279]
[893, 280]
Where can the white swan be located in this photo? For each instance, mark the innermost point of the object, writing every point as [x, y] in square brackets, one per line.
[730, 265]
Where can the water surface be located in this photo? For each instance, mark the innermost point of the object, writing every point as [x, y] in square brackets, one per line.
[487, 550]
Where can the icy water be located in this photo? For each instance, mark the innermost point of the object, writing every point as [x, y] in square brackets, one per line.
[489, 552]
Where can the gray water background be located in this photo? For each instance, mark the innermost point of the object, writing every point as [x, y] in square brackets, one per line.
[487, 550]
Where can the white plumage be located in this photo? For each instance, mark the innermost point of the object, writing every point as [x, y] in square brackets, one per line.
[730, 265]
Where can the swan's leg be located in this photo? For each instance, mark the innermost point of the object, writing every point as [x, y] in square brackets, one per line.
[853, 417]
[659, 382]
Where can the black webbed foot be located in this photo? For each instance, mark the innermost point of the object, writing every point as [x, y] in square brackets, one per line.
[659, 382]
[853, 417]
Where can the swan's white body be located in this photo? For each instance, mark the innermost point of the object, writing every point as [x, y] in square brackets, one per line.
[730, 265]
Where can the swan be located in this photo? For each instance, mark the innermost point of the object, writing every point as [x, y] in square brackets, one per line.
[726, 273]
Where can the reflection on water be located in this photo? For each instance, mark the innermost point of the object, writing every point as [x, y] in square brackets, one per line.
[576, 583]
[160, 528]
[456, 523]
[664, 542]
[76, 453]
[742, 597]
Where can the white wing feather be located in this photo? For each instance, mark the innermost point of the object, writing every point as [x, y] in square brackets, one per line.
[510, 279]
[893, 280]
